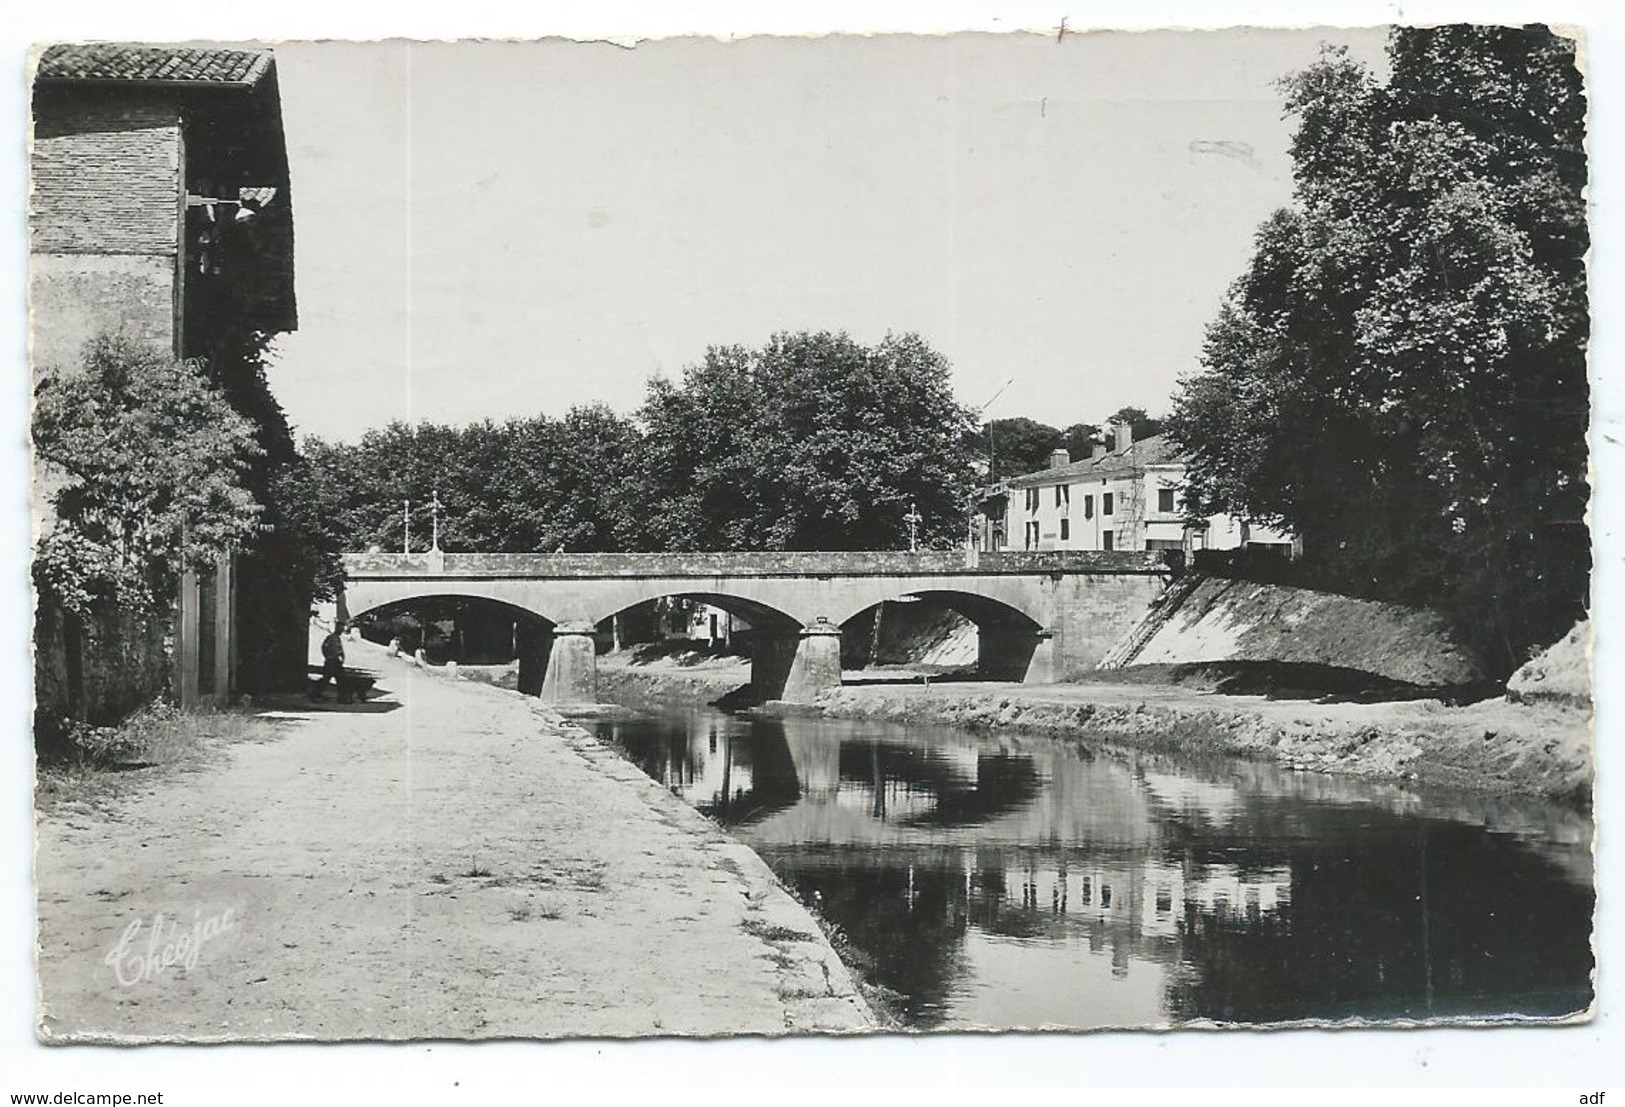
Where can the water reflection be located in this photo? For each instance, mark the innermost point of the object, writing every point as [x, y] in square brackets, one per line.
[1004, 882]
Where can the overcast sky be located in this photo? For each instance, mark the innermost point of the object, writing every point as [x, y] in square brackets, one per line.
[494, 229]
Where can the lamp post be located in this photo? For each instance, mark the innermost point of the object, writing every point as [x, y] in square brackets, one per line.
[913, 519]
[406, 526]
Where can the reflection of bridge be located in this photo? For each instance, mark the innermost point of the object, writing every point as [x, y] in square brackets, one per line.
[1040, 617]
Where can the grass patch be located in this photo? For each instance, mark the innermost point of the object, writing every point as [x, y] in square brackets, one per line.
[767, 933]
[92, 762]
[526, 912]
[475, 870]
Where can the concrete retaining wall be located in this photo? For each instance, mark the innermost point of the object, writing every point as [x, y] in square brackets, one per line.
[1236, 620]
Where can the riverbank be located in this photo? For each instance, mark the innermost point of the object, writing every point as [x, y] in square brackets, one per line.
[622, 677]
[445, 860]
[1543, 750]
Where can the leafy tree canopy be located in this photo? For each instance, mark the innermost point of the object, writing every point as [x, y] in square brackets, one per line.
[144, 465]
[1140, 424]
[1011, 447]
[1399, 374]
[813, 441]
[525, 485]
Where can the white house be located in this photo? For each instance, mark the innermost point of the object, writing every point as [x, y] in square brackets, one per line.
[1127, 497]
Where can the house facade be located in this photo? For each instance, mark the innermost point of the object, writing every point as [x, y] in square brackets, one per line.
[159, 212]
[1127, 496]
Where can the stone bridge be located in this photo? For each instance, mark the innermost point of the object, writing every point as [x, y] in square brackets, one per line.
[1041, 617]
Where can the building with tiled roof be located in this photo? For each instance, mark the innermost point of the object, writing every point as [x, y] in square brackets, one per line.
[172, 160]
[160, 212]
[1127, 496]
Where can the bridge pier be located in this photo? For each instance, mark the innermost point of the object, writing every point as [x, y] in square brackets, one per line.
[572, 666]
[1015, 653]
[816, 666]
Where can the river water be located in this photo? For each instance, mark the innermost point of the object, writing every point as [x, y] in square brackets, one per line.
[1008, 881]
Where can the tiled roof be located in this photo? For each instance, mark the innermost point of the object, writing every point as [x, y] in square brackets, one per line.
[180, 64]
[1156, 450]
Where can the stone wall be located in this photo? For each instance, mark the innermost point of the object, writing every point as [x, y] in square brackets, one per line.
[106, 173]
[749, 564]
[97, 670]
[1093, 611]
[104, 228]
[76, 297]
[104, 220]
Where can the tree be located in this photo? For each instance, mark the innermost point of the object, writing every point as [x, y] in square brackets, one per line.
[1016, 446]
[145, 462]
[1399, 375]
[1079, 439]
[811, 442]
[525, 485]
[1140, 424]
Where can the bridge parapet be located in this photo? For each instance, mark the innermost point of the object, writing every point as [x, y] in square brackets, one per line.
[777, 563]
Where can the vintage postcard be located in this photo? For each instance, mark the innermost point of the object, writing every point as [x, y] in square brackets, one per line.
[830, 535]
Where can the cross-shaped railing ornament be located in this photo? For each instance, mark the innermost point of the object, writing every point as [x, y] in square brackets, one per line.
[913, 519]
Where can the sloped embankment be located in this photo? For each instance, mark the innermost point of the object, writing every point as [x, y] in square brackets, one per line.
[1220, 620]
[1561, 674]
[919, 634]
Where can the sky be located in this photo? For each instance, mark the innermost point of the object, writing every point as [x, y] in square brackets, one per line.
[494, 229]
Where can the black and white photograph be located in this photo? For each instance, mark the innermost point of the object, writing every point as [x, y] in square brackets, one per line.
[1041, 529]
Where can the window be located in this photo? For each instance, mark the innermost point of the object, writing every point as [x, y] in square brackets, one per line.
[1063, 495]
[1106, 540]
[1066, 529]
[1088, 507]
[1106, 505]
[1165, 499]
[1032, 499]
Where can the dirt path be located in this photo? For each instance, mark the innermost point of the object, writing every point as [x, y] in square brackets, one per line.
[447, 861]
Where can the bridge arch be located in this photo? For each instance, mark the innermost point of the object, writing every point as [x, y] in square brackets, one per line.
[776, 636]
[1009, 639]
[532, 633]
[365, 597]
[1013, 602]
[754, 611]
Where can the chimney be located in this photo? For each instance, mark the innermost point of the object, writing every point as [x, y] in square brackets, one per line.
[1059, 458]
[1098, 450]
[1125, 437]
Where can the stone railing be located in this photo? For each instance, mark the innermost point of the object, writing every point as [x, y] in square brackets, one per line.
[749, 564]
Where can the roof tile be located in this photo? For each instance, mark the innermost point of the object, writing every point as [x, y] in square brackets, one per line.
[123, 62]
[1156, 450]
